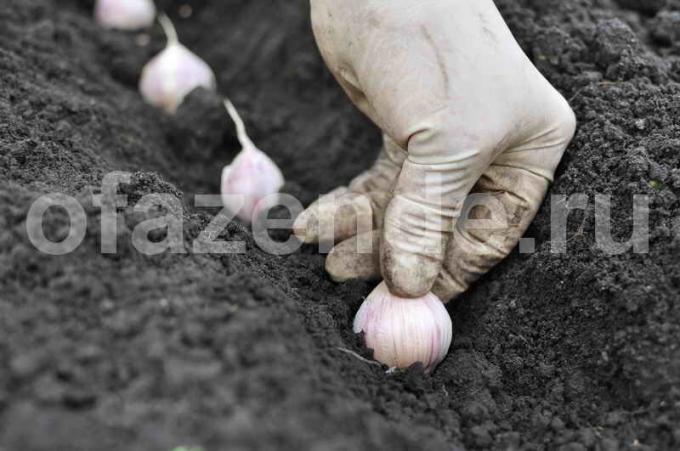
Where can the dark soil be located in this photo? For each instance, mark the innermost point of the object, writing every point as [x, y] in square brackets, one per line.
[567, 351]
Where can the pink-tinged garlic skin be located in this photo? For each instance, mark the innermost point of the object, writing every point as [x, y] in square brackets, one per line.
[171, 75]
[250, 178]
[402, 332]
[125, 14]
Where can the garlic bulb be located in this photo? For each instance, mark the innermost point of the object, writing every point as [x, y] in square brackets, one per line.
[251, 177]
[174, 73]
[125, 14]
[401, 331]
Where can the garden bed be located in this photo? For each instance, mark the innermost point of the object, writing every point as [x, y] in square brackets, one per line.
[250, 351]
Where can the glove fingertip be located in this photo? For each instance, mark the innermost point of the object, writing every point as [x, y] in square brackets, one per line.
[347, 261]
[303, 228]
[408, 275]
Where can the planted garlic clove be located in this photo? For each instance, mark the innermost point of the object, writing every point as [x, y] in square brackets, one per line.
[172, 74]
[251, 177]
[402, 332]
[125, 14]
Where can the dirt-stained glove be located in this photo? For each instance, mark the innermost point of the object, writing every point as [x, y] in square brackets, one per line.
[463, 110]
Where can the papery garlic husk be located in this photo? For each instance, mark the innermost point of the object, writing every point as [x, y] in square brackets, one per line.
[251, 178]
[402, 332]
[125, 14]
[172, 74]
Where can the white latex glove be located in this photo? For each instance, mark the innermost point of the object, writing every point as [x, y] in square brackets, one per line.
[463, 110]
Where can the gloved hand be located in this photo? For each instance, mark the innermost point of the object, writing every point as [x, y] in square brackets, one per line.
[463, 110]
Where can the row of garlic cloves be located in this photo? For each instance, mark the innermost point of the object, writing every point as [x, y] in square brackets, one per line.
[165, 82]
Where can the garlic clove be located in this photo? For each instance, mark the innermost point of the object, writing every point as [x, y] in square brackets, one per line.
[402, 332]
[125, 14]
[250, 178]
[172, 74]
[247, 181]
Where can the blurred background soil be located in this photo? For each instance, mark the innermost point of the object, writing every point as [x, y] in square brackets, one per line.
[574, 351]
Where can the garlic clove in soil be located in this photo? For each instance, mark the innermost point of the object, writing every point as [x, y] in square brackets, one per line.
[251, 177]
[172, 74]
[402, 332]
[125, 14]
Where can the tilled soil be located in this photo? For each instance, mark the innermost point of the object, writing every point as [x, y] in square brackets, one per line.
[575, 351]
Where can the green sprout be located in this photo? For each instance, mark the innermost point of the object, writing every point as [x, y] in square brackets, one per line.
[657, 185]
